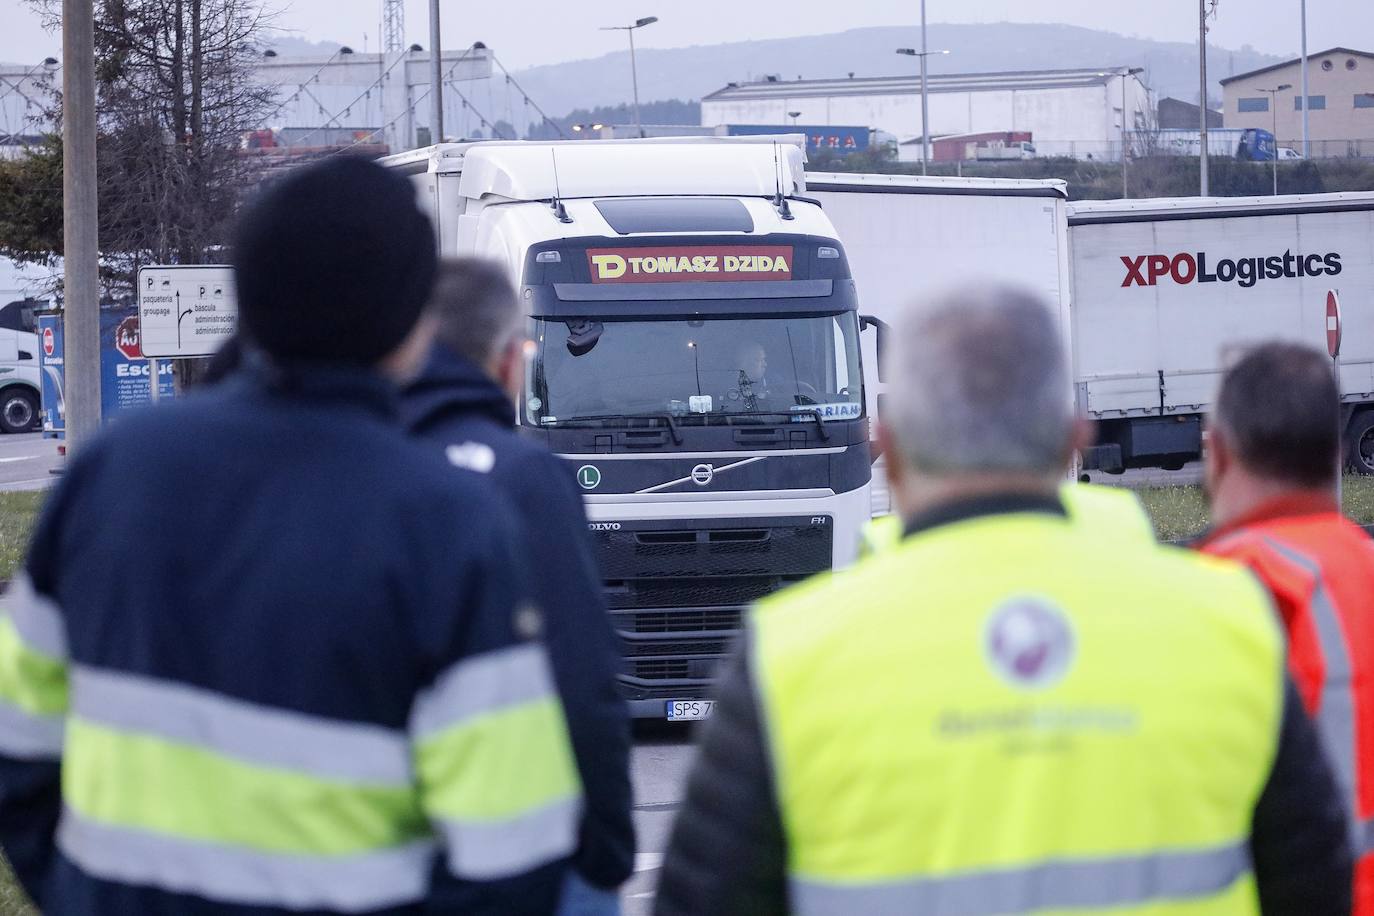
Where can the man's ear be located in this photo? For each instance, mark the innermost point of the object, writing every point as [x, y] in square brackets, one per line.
[1217, 454]
[1083, 435]
[895, 465]
[509, 369]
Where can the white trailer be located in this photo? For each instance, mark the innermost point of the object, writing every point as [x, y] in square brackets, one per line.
[908, 237]
[1166, 292]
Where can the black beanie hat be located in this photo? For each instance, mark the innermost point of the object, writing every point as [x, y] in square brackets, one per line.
[333, 263]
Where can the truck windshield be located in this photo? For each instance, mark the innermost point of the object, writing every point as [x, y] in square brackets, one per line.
[696, 370]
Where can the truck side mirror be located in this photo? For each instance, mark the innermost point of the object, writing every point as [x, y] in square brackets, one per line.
[867, 321]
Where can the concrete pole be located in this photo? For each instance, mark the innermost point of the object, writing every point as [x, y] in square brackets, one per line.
[1274, 106]
[1306, 144]
[1202, 83]
[634, 81]
[436, 76]
[80, 236]
[1125, 188]
[925, 109]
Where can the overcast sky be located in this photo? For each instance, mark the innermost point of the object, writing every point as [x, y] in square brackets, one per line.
[528, 32]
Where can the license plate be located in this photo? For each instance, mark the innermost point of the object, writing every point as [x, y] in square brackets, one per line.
[687, 710]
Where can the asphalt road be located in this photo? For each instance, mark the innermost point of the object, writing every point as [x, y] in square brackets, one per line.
[25, 461]
[1189, 475]
[662, 755]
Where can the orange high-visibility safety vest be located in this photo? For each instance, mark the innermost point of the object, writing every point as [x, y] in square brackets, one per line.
[1320, 568]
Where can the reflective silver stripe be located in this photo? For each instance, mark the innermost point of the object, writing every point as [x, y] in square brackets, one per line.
[488, 850]
[680, 480]
[253, 733]
[231, 874]
[1082, 883]
[482, 684]
[29, 737]
[37, 618]
[1335, 717]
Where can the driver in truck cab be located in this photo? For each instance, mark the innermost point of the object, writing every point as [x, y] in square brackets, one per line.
[753, 372]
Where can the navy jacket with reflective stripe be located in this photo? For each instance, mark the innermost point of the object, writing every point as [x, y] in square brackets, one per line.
[276, 539]
[453, 404]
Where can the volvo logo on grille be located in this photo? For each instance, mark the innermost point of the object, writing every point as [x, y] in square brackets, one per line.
[703, 474]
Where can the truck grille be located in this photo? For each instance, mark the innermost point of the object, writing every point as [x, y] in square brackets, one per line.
[678, 589]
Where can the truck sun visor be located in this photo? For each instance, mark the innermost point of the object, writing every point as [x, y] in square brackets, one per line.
[665, 214]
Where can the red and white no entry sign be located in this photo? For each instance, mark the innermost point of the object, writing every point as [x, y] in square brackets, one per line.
[1333, 324]
[49, 342]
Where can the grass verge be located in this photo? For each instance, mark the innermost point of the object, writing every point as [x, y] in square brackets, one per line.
[13, 900]
[17, 514]
[1180, 513]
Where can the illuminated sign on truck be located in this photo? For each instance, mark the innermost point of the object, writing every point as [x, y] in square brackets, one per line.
[690, 263]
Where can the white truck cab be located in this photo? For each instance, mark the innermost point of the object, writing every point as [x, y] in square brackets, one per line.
[20, 385]
[696, 362]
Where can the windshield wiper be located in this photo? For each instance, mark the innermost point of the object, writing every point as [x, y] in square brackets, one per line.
[814, 414]
[665, 417]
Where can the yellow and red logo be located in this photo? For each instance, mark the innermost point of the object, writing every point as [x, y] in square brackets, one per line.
[688, 264]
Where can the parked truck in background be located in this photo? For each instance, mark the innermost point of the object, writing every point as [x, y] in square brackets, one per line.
[1001, 144]
[909, 236]
[1250, 144]
[1167, 291]
[20, 382]
[696, 362]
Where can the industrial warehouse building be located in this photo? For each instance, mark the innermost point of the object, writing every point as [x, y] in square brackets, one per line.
[1068, 112]
[1340, 89]
[373, 102]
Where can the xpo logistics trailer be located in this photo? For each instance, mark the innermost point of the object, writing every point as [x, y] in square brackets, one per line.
[1155, 297]
[1166, 292]
[696, 363]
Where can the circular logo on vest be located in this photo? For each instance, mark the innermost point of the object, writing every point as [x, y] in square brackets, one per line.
[703, 474]
[588, 477]
[1029, 642]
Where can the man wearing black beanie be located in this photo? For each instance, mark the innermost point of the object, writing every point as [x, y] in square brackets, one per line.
[273, 647]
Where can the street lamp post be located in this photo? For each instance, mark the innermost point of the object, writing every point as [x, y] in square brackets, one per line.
[436, 76]
[1202, 96]
[1125, 154]
[794, 115]
[1306, 144]
[634, 75]
[80, 217]
[1274, 112]
[925, 110]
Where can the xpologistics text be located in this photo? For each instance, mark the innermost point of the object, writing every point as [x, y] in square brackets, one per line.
[1148, 270]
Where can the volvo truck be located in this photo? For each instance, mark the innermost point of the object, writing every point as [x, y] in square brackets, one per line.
[695, 360]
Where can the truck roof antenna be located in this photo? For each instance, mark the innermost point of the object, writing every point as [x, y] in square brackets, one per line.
[780, 201]
[559, 210]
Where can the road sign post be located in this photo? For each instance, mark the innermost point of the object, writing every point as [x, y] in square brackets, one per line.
[1333, 349]
[185, 310]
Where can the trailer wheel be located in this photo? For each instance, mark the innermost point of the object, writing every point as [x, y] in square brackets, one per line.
[18, 410]
[1360, 451]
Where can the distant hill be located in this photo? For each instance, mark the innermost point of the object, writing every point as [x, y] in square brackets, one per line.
[690, 73]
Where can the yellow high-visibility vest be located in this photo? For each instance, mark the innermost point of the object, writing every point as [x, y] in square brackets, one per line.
[1013, 714]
